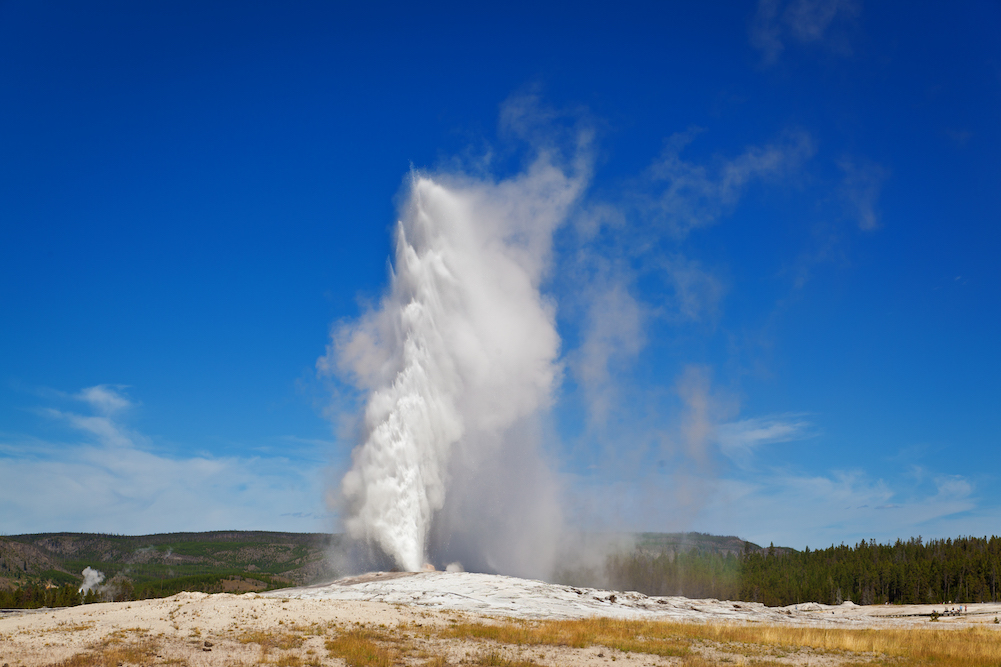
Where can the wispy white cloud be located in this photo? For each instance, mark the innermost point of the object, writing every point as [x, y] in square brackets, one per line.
[818, 510]
[806, 21]
[863, 180]
[738, 440]
[103, 398]
[787, 508]
[951, 487]
[765, 33]
[695, 291]
[108, 478]
[689, 195]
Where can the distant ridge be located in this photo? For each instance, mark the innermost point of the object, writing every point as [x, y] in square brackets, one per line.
[721, 544]
[158, 564]
[215, 560]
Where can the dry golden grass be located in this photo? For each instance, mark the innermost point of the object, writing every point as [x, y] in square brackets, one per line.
[114, 654]
[271, 640]
[293, 660]
[495, 660]
[362, 648]
[284, 643]
[972, 647]
[626, 636]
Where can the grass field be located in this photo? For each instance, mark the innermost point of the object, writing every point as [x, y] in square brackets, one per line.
[587, 641]
[526, 644]
[698, 643]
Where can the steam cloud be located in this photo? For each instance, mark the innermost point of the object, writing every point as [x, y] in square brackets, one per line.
[456, 363]
[91, 579]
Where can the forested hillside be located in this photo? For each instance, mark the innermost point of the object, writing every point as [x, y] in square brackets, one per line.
[35, 569]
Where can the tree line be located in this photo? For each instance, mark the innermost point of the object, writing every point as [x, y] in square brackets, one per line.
[36, 596]
[962, 570]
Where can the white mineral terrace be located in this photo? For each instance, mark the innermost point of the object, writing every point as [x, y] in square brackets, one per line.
[523, 598]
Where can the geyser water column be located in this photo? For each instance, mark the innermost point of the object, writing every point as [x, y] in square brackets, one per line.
[462, 347]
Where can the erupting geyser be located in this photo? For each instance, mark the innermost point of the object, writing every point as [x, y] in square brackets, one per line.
[454, 362]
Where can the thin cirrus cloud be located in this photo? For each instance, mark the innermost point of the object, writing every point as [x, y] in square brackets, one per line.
[804, 21]
[863, 181]
[108, 478]
[689, 195]
[738, 440]
[105, 399]
[819, 510]
[787, 508]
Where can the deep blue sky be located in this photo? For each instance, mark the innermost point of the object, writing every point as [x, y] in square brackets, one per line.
[192, 194]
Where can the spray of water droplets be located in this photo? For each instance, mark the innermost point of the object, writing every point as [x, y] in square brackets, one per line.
[459, 353]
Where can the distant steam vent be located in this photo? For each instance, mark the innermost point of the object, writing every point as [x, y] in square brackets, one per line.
[91, 579]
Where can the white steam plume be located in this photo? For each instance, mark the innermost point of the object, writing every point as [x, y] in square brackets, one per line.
[455, 362]
[91, 579]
